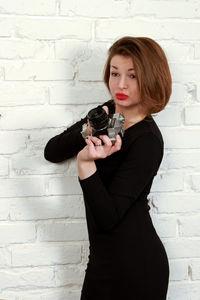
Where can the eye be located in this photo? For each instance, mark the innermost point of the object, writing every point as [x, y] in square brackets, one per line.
[132, 76]
[114, 74]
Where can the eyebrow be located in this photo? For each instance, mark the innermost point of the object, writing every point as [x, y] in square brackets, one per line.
[117, 68]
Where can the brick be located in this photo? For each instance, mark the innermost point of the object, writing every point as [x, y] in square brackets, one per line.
[5, 258]
[155, 28]
[181, 138]
[16, 187]
[178, 270]
[16, 49]
[34, 277]
[51, 28]
[178, 290]
[4, 166]
[47, 208]
[39, 70]
[74, 50]
[32, 163]
[11, 142]
[43, 255]
[25, 118]
[197, 50]
[21, 7]
[182, 248]
[67, 185]
[177, 51]
[84, 8]
[182, 160]
[192, 113]
[196, 182]
[57, 232]
[82, 93]
[170, 116]
[171, 181]
[17, 233]
[5, 205]
[189, 226]
[165, 9]
[195, 268]
[69, 275]
[165, 226]
[6, 27]
[185, 72]
[179, 93]
[176, 203]
[16, 94]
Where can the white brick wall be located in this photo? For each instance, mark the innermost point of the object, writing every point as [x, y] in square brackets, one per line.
[52, 52]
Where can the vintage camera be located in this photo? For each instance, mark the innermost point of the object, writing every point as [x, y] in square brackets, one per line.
[102, 123]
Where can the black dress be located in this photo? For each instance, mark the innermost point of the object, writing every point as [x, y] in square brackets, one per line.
[127, 259]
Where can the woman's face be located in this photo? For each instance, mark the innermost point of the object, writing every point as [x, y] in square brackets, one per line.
[123, 83]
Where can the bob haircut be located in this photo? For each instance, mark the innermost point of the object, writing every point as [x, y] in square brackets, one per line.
[151, 70]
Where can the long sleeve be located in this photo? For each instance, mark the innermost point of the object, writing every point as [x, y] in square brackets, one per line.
[65, 145]
[134, 174]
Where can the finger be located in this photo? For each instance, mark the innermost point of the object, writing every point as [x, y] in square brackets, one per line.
[106, 109]
[117, 146]
[95, 140]
[107, 141]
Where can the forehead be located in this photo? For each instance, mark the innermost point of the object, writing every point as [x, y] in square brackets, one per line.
[121, 61]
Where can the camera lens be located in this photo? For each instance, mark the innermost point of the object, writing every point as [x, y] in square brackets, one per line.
[98, 118]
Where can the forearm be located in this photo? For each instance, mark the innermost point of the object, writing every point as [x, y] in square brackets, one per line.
[85, 168]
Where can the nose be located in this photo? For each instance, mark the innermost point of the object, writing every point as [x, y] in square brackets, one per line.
[123, 82]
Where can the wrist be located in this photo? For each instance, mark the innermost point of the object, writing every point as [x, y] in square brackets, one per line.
[86, 168]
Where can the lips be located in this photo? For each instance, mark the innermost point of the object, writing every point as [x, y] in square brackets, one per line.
[121, 96]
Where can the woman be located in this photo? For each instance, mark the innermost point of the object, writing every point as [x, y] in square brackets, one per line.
[127, 258]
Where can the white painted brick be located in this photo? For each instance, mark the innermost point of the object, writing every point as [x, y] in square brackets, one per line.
[64, 185]
[192, 114]
[165, 226]
[6, 27]
[177, 51]
[82, 93]
[183, 248]
[16, 93]
[34, 117]
[69, 275]
[165, 9]
[195, 268]
[180, 160]
[189, 226]
[185, 72]
[72, 49]
[40, 255]
[154, 28]
[36, 208]
[179, 93]
[177, 202]
[109, 8]
[196, 182]
[5, 257]
[178, 270]
[92, 69]
[17, 233]
[198, 92]
[21, 278]
[171, 181]
[15, 49]
[39, 70]
[11, 142]
[50, 28]
[16, 187]
[41, 294]
[170, 116]
[57, 232]
[31, 163]
[197, 50]
[178, 138]
[177, 291]
[3, 166]
[5, 205]
[22, 7]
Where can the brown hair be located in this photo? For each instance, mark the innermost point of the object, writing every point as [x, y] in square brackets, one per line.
[151, 69]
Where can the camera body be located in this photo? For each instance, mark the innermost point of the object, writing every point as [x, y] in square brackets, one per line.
[102, 123]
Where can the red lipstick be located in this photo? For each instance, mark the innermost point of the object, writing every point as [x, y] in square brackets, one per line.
[121, 96]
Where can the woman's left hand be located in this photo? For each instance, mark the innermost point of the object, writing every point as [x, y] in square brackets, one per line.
[94, 150]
